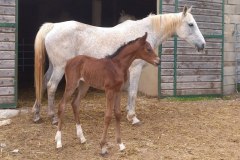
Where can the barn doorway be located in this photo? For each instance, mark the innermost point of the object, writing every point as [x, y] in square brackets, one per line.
[32, 14]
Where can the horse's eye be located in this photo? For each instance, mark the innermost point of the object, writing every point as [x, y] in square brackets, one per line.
[190, 24]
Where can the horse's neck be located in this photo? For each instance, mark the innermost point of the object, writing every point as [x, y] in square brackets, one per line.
[164, 26]
[125, 59]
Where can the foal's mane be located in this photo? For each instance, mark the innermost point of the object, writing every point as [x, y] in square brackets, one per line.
[111, 56]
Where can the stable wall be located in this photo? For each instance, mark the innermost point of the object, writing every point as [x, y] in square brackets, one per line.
[232, 17]
[195, 74]
[8, 54]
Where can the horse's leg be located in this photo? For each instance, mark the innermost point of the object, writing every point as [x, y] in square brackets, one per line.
[117, 113]
[71, 85]
[110, 96]
[51, 88]
[37, 106]
[135, 74]
[82, 90]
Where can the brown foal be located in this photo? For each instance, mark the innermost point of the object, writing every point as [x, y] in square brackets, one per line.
[109, 74]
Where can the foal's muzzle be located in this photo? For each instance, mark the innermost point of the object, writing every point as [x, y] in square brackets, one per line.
[157, 61]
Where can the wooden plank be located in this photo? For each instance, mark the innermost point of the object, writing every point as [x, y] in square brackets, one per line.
[8, 64]
[7, 2]
[192, 65]
[200, 4]
[193, 78]
[6, 10]
[189, 3]
[169, 51]
[199, 65]
[185, 72]
[7, 55]
[211, 19]
[167, 92]
[7, 73]
[192, 85]
[7, 30]
[199, 91]
[7, 46]
[202, 25]
[6, 82]
[167, 86]
[4, 91]
[191, 58]
[6, 99]
[7, 19]
[6, 37]
[198, 58]
[183, 44]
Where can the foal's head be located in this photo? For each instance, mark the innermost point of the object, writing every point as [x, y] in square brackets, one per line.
[146, 52]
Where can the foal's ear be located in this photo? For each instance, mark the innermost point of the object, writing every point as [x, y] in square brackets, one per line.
[144, 37]
[185, 10]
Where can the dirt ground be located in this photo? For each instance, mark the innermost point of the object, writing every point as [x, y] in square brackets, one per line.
[170, 129]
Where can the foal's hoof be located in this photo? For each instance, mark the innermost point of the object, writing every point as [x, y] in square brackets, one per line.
[104, 151]
[54, 120]
[122, 147]
[59, 145]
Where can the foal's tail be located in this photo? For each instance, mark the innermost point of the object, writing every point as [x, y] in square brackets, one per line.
[39, 60]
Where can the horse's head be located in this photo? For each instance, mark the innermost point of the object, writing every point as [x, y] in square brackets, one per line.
[146, 52]
[189, 31]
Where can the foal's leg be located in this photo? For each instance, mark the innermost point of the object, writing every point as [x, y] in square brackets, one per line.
[37, 105]
[82, 90]
[52, 87]
[69, 90]
[110, 98]
[117, 113]
[135, 74]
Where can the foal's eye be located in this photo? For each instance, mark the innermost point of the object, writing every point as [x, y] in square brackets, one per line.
[148, 49]
[190, 24]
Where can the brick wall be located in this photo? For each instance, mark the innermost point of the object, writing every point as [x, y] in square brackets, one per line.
[232, 17]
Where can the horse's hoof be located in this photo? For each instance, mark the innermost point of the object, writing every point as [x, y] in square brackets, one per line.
[83, 140]
[136, 121]
[36, 119]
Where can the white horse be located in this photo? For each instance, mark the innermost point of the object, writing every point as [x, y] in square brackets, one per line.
[62, 41]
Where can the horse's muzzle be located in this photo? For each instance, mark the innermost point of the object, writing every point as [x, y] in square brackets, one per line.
[200, 47]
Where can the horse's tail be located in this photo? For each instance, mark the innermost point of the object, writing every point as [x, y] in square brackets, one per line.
[39, 60]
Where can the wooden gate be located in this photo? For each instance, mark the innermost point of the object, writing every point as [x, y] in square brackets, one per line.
[184, 71]
[8, 53]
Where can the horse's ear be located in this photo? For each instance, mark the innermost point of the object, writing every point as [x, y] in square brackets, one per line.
[122, 13]
[189, 9]
[185, 10]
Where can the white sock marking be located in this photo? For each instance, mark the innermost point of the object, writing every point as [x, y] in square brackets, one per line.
[58, 138]
[122, 147]
[80, 133]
